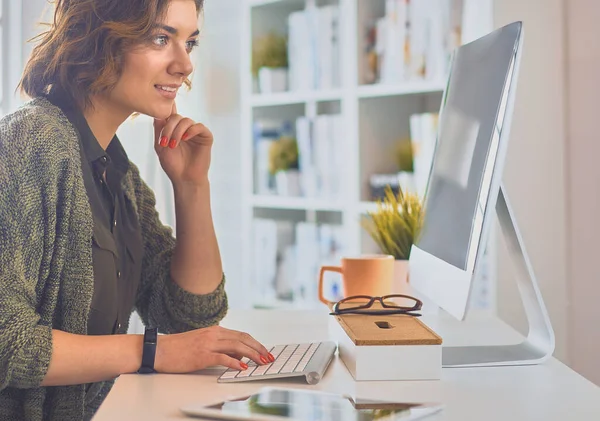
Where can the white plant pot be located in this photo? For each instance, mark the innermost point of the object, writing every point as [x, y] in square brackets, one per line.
[272, 79]
[288, 183]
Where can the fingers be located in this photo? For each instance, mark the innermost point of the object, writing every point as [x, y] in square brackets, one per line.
[179, 130]
[199, 130]
[249, 341]
[227, 361]
[236, 356]
[254, 344]
[159, 125]
[238, 348]
[176, 128]
[173, 130]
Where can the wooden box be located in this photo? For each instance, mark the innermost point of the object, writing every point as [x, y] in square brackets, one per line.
[391, 347]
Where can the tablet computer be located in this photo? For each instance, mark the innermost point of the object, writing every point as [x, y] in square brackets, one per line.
[279, 404]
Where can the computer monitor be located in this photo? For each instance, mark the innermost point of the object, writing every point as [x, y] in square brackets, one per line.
[464, 194]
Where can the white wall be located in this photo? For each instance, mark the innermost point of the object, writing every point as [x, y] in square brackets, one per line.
[218, 93]
[33, 12]
[552, 170]
[583, 196]
[535, 169]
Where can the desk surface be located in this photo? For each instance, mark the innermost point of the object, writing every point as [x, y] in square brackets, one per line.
[548, 392]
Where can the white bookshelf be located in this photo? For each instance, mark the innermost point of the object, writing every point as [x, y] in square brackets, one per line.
[300, 203]
[373, 116]
[286, 98]
[383, 90]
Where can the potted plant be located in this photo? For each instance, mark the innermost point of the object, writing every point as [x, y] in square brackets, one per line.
[270, 62]
[395, 226]
[283, 165]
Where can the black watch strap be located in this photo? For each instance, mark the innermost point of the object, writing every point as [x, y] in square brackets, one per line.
[149, 351]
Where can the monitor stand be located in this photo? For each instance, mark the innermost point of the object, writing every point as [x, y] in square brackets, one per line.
[539, 344]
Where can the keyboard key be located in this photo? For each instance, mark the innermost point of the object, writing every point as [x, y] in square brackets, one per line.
[302, 365]
[275, 367]
[261, 370]
[230, 374]
[289, 366]
[246, 373]
[306, 358]
[277, 350]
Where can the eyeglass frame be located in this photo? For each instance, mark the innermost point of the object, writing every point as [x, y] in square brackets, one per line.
[410, 311]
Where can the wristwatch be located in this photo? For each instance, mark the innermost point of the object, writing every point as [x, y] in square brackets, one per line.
[149, 351]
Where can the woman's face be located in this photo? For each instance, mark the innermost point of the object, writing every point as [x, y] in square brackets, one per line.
[152, 74]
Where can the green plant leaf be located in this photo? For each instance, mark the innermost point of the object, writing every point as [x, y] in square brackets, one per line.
[396, 224]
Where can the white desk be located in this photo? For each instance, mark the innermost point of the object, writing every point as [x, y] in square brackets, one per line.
[548, 392]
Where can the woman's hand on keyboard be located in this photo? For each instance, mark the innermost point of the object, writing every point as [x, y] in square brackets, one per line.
[197, 349]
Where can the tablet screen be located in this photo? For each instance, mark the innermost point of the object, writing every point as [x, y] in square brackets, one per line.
[317, 406]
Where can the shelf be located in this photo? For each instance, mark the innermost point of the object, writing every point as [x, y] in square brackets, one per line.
[256, 3]
[302, 203]
[284, 98]
[416, 87]
[364, 91]
[365, 207]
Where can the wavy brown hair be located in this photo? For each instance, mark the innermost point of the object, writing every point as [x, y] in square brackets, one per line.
[82, 51]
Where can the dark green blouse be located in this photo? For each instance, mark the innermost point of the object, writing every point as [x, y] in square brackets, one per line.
[117, 241]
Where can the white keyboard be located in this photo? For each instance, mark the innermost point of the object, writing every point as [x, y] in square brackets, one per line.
[291, 360]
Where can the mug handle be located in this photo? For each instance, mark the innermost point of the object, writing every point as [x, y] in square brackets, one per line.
[323, 270]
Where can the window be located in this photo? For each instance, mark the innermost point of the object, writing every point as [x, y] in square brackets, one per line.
[3, 57]
[11, 64]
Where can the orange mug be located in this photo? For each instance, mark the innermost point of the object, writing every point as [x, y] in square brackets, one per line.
[362, 275]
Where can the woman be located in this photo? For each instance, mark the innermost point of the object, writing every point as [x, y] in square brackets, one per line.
[81, 243]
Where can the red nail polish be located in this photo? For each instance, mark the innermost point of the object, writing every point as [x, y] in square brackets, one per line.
[163, 141]
[263, 359]
[271, 357]
[185, 136]
[172, 144]
[244, 366]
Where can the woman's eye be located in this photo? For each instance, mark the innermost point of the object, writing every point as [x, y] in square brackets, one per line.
[192, 44]
[160, 40]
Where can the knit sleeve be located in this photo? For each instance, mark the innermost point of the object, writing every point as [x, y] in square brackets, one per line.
[160, 301]
[25, 339]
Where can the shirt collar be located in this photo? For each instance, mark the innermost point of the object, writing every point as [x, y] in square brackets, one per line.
[99, 158]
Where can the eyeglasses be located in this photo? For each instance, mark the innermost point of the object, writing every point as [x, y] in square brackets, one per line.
[349, 305]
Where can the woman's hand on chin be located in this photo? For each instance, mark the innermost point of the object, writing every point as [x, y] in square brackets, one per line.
[183, 148]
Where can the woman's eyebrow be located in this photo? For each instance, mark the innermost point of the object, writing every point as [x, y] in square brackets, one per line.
[174, 31]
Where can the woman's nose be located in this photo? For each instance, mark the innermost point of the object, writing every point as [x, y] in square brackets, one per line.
[182, 64]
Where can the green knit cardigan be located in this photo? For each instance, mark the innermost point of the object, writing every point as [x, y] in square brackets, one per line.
[46, 274]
